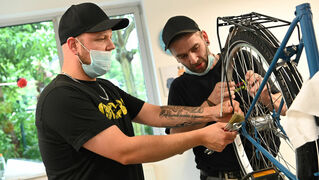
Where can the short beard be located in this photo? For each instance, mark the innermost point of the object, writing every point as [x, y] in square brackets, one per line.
[83, 59]
[193, 68]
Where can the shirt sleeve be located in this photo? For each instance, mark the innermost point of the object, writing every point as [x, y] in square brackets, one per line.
[73, 115]
[174, 97]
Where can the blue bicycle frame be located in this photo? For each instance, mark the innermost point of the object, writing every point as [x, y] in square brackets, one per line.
[304, 17]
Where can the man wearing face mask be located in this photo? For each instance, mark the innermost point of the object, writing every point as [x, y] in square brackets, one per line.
[84, 123]
[199, 86]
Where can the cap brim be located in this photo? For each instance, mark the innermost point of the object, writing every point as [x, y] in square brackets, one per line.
[114, 24]
[177, 33]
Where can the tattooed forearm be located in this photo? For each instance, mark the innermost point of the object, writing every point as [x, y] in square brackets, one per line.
[183, 124]
[180, 110]
[183, 116]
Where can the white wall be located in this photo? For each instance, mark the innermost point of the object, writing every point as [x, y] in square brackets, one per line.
[156, 13]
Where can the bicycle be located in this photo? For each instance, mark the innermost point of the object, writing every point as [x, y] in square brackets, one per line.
[251, 47]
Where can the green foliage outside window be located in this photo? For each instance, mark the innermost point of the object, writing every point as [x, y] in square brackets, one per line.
[26, 51]
[126, 71]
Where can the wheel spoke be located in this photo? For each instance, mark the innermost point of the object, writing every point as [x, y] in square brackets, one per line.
[260, 125]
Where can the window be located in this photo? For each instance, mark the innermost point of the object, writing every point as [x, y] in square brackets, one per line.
[126, 69]
[30, 51]
[27, 52]
[137, 68]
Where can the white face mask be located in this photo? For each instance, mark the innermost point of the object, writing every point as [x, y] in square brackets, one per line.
[211, 60]
[100, 62]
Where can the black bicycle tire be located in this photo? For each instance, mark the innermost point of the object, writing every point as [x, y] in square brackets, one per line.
[268, 50]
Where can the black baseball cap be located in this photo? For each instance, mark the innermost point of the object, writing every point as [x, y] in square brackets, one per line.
[87, 17]
[177, 25]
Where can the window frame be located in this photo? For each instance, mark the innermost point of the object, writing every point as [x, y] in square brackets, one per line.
[148, 66]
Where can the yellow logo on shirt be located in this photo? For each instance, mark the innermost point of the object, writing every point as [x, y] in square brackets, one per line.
[113, 111]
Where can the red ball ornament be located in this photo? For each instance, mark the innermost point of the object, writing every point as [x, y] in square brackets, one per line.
[22, 82]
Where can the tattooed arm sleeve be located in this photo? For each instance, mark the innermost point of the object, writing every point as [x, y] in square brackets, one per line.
[174, 116]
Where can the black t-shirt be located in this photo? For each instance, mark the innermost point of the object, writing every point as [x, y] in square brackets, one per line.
[192, 90]
[68, 114]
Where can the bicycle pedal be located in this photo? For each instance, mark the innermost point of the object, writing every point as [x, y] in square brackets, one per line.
[264, 174]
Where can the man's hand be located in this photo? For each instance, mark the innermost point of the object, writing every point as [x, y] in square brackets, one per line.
[216, 138]
[220, 87]
[253, 82]
[227, 110]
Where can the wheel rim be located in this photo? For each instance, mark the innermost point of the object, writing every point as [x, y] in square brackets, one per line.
[260, 125]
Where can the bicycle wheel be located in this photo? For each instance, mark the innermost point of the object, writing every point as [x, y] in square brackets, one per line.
[247, 51]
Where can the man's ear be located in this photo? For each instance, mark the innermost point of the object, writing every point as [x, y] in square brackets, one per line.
[71, 41]
[205, 37]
